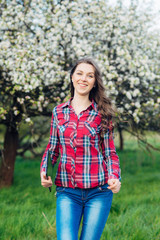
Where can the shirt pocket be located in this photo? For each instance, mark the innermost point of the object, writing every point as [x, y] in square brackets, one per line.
[62, 125]
[91, 129]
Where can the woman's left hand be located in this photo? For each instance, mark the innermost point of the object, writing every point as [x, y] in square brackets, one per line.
[114, 185]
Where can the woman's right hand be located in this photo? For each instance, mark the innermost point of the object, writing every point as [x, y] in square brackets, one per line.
[46, 182]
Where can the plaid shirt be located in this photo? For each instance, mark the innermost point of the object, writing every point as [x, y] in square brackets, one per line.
[82, 164]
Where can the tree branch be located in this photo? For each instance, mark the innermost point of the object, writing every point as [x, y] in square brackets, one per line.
[148, 145]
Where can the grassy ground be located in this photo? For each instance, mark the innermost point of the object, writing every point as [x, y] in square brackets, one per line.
[27, 211]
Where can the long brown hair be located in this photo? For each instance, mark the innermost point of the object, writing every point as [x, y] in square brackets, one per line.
[98, 93]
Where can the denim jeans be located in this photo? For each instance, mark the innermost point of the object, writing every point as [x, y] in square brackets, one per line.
[93, 204]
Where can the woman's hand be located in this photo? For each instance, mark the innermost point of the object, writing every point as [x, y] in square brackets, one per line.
[114, 185]
[46, 182]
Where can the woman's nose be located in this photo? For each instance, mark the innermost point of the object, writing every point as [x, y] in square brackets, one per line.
[84, 77]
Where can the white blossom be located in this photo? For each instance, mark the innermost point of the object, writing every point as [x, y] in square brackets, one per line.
[137, 105]
[136, 92]
[127, 106]
[128, 94]
[28, 120]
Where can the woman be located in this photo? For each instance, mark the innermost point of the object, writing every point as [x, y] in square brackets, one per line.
[88, 173]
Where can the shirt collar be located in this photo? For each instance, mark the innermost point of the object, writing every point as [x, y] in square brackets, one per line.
[93, 104]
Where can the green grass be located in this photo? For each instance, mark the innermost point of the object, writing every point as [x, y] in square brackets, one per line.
[27, 210]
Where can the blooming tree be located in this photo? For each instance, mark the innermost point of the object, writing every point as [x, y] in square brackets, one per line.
[39, 42]
[128, 50]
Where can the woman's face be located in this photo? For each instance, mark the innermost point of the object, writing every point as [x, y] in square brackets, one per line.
[83, 79]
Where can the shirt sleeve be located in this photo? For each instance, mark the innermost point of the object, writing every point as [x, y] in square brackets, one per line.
[111, 157]
[52, 147]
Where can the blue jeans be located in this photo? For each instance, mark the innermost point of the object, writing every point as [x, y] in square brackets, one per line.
[93, 204]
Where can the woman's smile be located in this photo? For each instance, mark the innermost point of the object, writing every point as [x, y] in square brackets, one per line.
[82, 84]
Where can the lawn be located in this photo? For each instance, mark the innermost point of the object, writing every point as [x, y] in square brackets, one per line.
[27, 210]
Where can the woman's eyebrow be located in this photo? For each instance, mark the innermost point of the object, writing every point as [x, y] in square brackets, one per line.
[82, 71]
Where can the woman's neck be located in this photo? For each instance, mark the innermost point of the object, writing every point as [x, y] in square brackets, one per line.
[81, 101]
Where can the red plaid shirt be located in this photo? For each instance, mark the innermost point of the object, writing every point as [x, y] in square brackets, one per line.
[82, 164]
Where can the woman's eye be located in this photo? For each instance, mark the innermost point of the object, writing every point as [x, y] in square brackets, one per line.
[90, 76]
[79, 73]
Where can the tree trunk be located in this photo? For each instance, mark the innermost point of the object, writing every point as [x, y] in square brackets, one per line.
[8, 157]
[121, 142]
